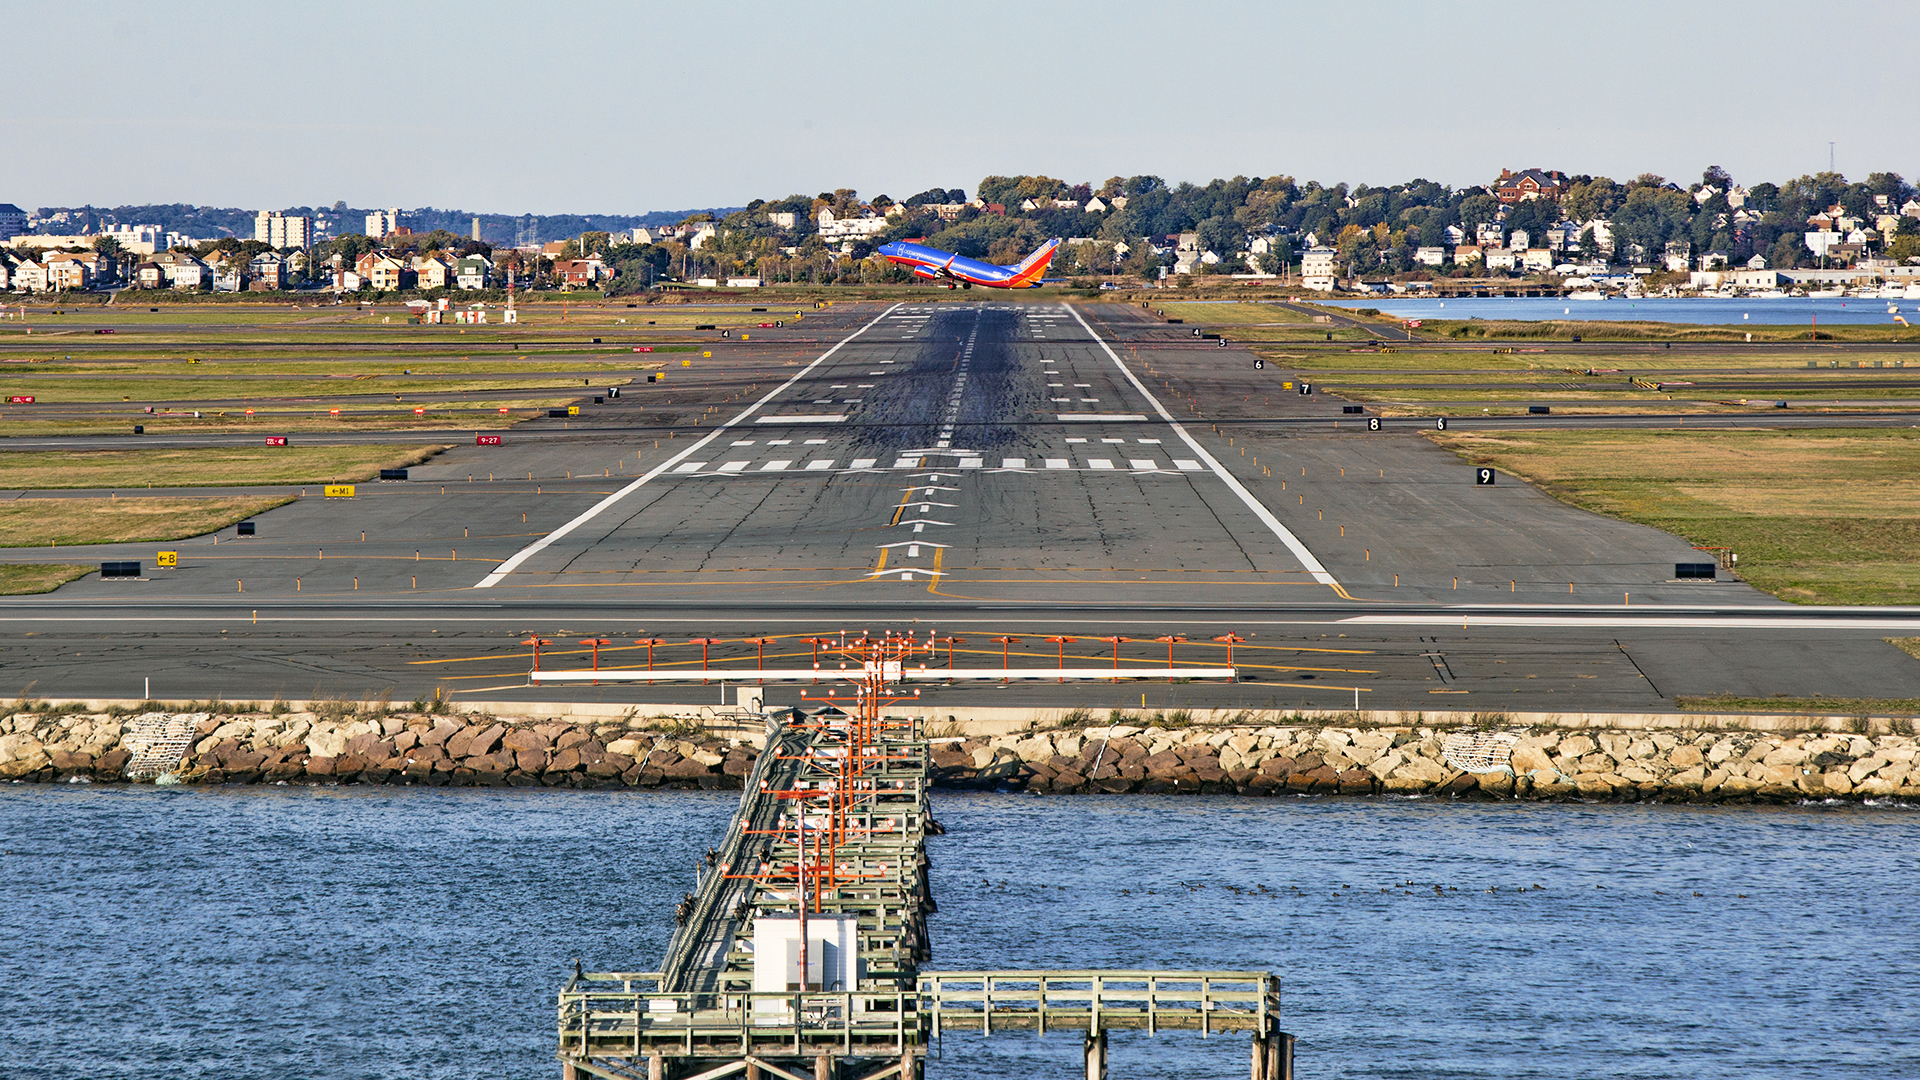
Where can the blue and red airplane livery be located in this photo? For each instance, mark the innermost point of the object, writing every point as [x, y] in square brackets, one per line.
[932, 264]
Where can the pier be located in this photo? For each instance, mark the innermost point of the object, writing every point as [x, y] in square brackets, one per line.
[799, 956]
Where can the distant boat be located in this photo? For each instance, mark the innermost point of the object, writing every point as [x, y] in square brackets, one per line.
[1586, 294]
[1828, 294]
[1770, 294]
[1912, 292]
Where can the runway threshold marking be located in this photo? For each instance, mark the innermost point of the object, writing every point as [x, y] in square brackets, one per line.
[594, 511]
[1300, 550]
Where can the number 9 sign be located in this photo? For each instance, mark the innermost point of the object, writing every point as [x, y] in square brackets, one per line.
[1483, 477]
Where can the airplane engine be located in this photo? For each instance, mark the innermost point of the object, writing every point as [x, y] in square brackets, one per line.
[927, 273]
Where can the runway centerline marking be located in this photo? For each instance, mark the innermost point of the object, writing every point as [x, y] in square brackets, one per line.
[596, 509]
[1300, 550]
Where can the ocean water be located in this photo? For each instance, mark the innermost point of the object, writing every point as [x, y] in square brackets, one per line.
[1711, 311]
[346, 933]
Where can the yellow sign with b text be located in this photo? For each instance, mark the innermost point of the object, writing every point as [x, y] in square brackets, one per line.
[167, 558]
[339, 491]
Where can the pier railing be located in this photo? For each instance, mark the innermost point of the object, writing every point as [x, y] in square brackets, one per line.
[623, 1014]
[618, 1014]
[1203, 1001]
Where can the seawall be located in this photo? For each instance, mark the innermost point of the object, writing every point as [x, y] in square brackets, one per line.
[1419, 755]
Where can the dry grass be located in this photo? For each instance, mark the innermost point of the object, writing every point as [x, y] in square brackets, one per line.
[1821, 706]
[35, 522]
[17, 579]
[213, 466]
[1816, 516]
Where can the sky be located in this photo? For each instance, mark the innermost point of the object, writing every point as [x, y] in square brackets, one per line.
[625, 108]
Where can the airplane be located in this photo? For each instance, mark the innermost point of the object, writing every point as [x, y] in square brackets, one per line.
[932, 264]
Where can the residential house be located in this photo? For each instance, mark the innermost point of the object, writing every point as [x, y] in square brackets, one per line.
[1519, 240]
[1317, 268]
[579, 273]
[68, 271]
[1736, 197]
[1466, 253]
[474, 271]
[1678, 255]
[1714, 260]
[848, 228]
[13, 221]
[1501, 258]
[1602, 234]
[383, 272]
[785, 219]
[1454, 235]
[432, 272]
[1095, 206]
[646, 236]
[6, 274]
[1430, 256]
[554, 249]
[267, 272]
[1910, 208]
[704, 231]
[1819, 241]
[1515, 187]
[1758, 262]
[1537, 260]
[1490, 234]
[182, 270]
[30, 276]
[229, 276]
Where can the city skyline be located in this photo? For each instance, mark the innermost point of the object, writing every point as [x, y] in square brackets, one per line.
[631, 109]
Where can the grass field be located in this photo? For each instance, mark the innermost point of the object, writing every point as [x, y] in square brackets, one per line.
[1233, 313]
[1820, 516]
[1823, 706]
[17, 579]
[203, 466]
[70, 522]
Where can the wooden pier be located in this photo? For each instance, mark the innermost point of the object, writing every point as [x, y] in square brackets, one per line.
[799, 955]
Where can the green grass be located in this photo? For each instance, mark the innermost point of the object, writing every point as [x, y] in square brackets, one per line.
[1824, 516]
[203, 466]
[72, 522]
[19, 579]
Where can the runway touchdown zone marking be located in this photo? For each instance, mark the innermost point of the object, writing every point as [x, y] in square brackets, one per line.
[513, 563]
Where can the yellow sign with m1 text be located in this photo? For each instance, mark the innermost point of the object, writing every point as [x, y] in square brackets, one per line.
[339, 491]
[167, 558]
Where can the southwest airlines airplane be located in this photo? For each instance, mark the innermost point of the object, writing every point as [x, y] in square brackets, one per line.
[933, 264]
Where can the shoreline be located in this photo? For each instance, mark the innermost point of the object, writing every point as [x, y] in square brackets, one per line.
[1633, 758]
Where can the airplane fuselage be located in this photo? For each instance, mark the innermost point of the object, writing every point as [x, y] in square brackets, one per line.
[932, 264]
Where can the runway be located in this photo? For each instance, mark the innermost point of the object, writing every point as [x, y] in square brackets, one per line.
[980, 469]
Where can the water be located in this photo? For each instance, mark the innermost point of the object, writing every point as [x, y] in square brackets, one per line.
[349, 933]
[1712, 311]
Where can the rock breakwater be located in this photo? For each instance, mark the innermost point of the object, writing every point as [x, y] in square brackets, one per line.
[1276, 759]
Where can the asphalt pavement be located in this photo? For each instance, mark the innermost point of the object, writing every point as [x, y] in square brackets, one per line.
[978, 469]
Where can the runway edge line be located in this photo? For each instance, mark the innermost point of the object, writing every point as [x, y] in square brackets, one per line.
[595, 510]
[1300, 551]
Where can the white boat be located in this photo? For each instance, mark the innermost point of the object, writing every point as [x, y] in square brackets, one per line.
[1827, 294]
[1586, 294]
[1770, 294]
[1891, 290]
[1912, 292]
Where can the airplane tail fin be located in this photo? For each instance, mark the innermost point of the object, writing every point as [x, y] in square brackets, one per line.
[1029, 269]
